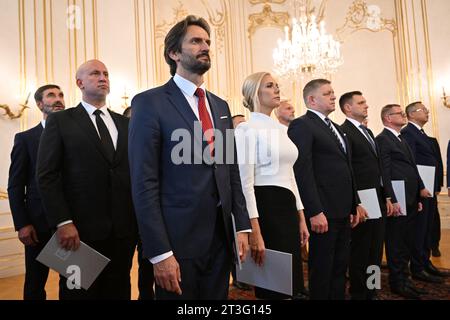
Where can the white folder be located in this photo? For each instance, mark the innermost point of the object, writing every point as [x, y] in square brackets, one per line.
[275, 274]
[89, 261]
[399, 190]
[427, 174]
[369, 200]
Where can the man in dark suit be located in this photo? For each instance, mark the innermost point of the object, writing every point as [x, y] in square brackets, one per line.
[436, 227]
[366, 238]
[425, 154]
[83, 176]
[183, 191]
[399, 164]
[324, 176]
[24, 198]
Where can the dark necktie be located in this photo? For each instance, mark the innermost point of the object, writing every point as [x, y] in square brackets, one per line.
[105, 137]
[328, 121]
[423, 132]
[205, 119]
[366, 133]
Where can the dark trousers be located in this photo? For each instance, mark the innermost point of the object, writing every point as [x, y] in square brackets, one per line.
[146, 278]
[399, 239]
[36, 273]
[113, 283]
[279, 223]
[206, 277]
[328, 260]
[421, 250]
[366, 249]
[436, 227]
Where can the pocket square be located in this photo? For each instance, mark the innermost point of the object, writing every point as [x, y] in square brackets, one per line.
[224, 117]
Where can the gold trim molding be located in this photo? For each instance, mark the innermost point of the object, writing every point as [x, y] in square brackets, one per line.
[267, 18]
[266, 1]
[3, 195]
[360, 16]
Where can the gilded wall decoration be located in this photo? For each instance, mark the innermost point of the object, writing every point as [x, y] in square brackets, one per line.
[361, 16]
[267, 18]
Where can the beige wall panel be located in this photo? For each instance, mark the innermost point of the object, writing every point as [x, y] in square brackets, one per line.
[439, 30]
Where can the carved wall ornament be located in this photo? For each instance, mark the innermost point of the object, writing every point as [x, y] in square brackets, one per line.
[361, 16]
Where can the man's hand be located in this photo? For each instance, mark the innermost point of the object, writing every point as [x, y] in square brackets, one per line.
[319, 223]
[354, 220]
[68, 237]
[397, 209]
[168, 275]
[419, 207]
[362, 214]
[389, 208]
[424, 193]
[28, 235]
[242, 238]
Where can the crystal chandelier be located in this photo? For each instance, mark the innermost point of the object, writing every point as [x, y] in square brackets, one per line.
[307, 49]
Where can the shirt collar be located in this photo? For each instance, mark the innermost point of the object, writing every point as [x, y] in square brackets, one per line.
[415, 125]
[90, 109]
[43, 123]
[186, 86]
[321, 115]
[393, 131]
[356, 123]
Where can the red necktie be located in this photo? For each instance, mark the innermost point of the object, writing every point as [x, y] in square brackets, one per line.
[205, 119]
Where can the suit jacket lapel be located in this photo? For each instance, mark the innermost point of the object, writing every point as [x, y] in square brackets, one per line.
[85, 123]
[178, 100]
[325, 128]
[361, 136]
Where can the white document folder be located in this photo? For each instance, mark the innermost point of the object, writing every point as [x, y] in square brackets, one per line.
[399, 190]
[275, 274]
[89, 261]
[369, 200]
[427, 174]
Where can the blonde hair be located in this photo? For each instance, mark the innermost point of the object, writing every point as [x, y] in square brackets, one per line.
[250, 90]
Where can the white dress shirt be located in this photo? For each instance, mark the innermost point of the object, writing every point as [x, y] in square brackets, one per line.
[107, 119]
[43, 123]
[188, 89]
[266, 157]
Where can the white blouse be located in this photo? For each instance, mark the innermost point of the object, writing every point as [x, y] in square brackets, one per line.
[266, 157]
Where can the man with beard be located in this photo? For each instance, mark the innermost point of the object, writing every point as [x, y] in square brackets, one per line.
[84, 180]
[285, 113]
[24, 199]
[184, 199]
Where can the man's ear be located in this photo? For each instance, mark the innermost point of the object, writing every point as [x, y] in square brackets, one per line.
[80, 83]
[310, 100]
[39, 104]
[174, 56]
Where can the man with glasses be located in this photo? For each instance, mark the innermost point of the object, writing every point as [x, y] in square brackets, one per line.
[398, 164]
[425, 154]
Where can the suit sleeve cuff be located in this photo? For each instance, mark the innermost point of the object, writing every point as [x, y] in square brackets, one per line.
[64, 223]
[161, 257]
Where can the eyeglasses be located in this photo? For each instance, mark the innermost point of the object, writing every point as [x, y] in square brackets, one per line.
[400, 112]
[420, 109]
